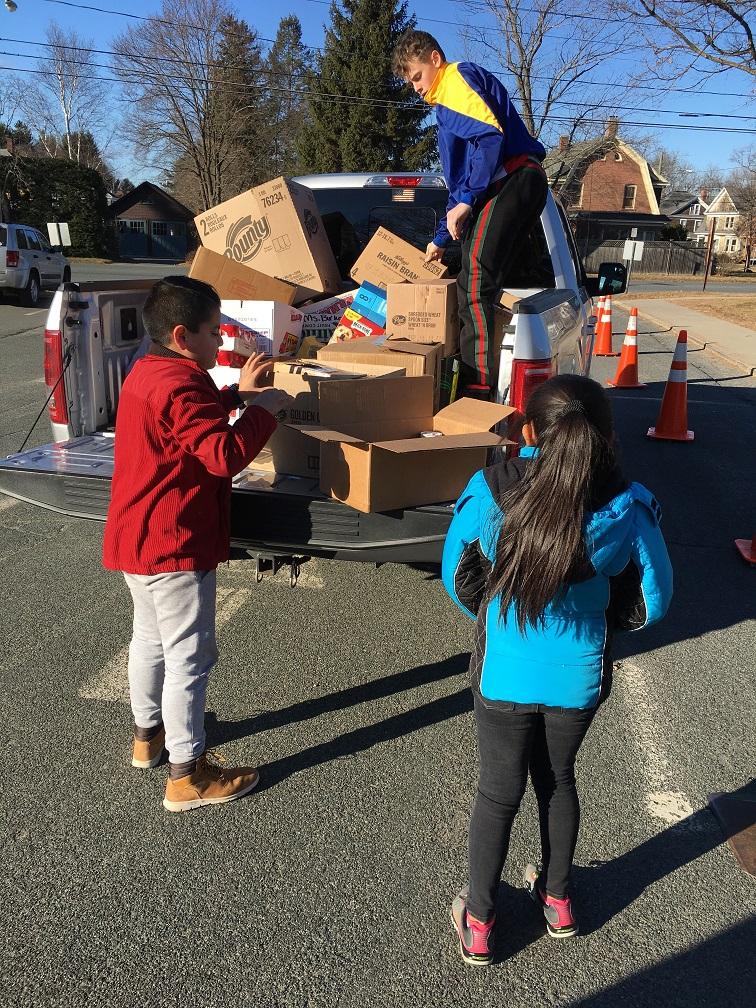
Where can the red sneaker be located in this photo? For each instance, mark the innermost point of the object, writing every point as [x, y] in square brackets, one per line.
[475, 937]
[560, 921]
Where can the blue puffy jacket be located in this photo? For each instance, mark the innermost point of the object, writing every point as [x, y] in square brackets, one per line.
[626, 584]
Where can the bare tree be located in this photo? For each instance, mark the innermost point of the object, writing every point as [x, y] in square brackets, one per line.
[191, 104]
[712, 36]
[553, 54]
[67, 104]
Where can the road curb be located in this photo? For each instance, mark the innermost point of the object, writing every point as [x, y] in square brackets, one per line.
[707, 346]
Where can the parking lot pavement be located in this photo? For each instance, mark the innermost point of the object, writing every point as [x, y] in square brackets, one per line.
[330, 887]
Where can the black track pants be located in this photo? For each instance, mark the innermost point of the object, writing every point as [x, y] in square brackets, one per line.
[499, 223]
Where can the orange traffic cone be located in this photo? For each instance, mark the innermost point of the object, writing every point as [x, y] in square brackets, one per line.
[627, 369]
[672, 423]
[747, 549]
[603, 345]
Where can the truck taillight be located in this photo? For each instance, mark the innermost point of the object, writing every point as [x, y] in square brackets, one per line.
[527, 375]
[53, 372]
[11, 258]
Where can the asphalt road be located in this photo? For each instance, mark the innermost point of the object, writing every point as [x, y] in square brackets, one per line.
[639, 285]
[330, 887]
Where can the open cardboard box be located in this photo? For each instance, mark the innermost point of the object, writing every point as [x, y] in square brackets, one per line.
[415, 358]
[373, 456]
[288, 450]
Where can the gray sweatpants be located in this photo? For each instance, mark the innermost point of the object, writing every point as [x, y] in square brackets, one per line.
[170, 656]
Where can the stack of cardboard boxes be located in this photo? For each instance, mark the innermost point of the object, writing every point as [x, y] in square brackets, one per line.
[366, 365]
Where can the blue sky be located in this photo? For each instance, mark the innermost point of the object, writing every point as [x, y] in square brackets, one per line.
[701, 147]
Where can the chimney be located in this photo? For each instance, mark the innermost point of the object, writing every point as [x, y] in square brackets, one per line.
[612, 125]
[704, 195]
[564, 143]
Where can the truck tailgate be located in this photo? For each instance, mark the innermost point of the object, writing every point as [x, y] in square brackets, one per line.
[281, 515]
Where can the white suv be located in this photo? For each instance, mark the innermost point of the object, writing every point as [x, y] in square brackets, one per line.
[28, 263]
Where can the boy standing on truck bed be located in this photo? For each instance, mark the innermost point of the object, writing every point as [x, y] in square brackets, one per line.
[497, 188]
[168, 527]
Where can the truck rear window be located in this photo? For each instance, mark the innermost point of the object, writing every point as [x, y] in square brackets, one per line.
[352, 216]
[3, 236]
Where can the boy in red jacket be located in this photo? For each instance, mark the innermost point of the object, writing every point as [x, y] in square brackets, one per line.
[168, 527]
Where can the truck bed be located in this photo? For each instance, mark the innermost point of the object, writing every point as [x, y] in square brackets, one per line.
[270, 515]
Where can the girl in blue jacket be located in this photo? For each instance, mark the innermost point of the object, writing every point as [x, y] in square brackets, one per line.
[551, 553]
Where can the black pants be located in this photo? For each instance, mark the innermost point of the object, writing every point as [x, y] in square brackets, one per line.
[500, 221]
[543, 741]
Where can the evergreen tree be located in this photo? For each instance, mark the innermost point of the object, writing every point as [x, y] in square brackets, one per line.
[57, 189]
[238, 108]
[368, 134]
[287, 62]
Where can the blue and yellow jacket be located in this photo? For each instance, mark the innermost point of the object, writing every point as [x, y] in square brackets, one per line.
[479, 131]
[626, 584]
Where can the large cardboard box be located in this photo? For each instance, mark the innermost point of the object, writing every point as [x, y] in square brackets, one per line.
[389, 259]
[416, 358]
[289, 450]
[373, 456]
[276, 229]
[268, 327]
[238, 282]
[424, 313]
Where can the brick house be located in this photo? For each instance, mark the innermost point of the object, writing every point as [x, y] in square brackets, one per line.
[607, 188]
[151, 224]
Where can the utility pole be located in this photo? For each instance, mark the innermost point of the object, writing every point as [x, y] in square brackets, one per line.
[710, 250]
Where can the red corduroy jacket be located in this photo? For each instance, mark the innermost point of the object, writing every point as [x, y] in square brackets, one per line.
[175, 454]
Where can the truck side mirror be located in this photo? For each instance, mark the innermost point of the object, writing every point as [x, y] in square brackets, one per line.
[611, 279]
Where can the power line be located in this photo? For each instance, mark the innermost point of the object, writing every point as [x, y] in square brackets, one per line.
[273, 73]
[219, 85]
[203, 28]
[333, 99]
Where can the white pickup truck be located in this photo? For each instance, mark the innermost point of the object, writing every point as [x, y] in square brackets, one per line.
[93, 330]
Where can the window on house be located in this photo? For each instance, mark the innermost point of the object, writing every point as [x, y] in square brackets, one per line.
[683, 223]
[628, 200]
[729, 222]
[695, 210]
[617, 156]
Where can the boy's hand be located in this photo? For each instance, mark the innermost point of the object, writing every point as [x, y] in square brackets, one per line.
[255, 375]
[433, 253]
[273, 400]
[456, 220]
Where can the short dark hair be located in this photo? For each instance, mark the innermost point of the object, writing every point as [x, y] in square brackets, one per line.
[178, 300]
[413, 47]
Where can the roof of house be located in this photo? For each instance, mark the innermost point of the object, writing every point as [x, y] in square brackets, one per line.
[563, 166]
[677, 201]
[144, 192]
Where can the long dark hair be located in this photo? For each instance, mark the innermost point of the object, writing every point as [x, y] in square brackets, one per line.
[540, 544]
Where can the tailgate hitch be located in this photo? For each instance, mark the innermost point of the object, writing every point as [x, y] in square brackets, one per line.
[271, 563]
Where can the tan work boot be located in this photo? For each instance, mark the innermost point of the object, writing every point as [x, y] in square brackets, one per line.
[209, 785]
[148, 754]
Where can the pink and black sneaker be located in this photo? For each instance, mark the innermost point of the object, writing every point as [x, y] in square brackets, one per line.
[475, 937]
[560, 922]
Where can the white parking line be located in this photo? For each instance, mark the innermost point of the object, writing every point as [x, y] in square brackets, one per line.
[39, 311]
[111, 683]
[661, 801]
